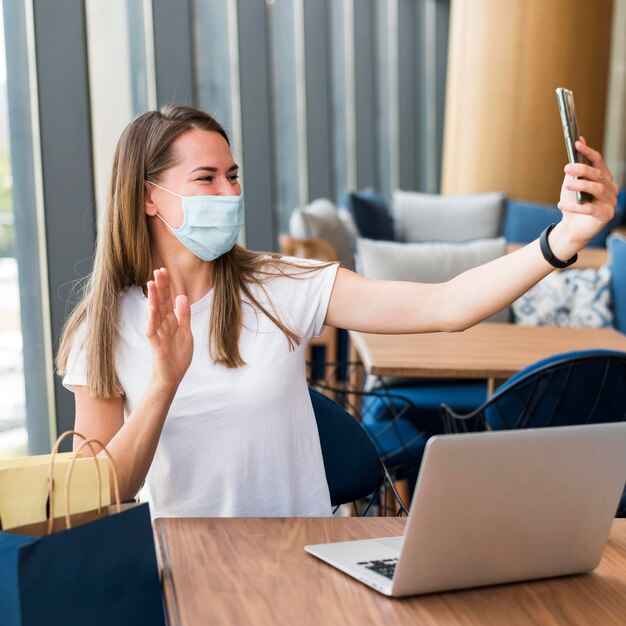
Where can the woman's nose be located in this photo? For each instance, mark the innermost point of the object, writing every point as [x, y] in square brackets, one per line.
[227, 188]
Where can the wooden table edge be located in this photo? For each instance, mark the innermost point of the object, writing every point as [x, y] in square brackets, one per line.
[168, 587]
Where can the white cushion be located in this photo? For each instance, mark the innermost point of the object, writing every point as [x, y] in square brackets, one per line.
[321, 220]
[573, 298]
[427, 262]
[433, 217]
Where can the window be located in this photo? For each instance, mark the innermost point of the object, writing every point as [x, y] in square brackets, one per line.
[13, 435]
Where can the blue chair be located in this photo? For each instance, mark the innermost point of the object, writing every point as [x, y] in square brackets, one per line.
[399, 418]
[616, 245]
[354, 470]
[565, 389]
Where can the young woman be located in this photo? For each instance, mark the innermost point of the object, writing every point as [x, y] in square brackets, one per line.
[186, 353]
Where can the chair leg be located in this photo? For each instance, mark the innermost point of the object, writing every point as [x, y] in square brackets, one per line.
[356, 378]
[389, 504]
[402, 487]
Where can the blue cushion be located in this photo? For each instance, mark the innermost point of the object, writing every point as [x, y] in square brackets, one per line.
[462, 395]
[621, 204]
[506, 410]
[524, 221]
[617, 266]
[371, 214]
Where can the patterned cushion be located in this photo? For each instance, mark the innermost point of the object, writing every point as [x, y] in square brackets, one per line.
[574, 298]
[434, 217]
[321, 220]
[427, 262]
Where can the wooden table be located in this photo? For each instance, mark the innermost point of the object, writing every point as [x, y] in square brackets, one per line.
[254, 571]
[487, 351]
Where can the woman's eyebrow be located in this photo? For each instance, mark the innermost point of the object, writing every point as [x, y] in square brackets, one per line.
[209, 168]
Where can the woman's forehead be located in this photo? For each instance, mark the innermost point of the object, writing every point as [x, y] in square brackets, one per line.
[196, 144]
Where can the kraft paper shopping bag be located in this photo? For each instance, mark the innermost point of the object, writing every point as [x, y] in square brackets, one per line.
[24, 487]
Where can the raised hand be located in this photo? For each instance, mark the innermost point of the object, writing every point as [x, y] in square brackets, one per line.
[583, 221]
[168, 331]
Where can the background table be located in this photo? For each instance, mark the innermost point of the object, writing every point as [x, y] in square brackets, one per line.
[255, 571]
[487, 351]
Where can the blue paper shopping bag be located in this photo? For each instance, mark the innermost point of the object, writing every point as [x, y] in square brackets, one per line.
[103, 571]
[97, 567]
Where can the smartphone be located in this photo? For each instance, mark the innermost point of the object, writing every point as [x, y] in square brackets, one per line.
[565, 99]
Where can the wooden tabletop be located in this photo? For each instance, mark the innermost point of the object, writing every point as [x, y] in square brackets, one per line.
[255, 571]
[492, 351]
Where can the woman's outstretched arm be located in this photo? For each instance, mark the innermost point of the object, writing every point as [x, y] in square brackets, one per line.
[358, 303]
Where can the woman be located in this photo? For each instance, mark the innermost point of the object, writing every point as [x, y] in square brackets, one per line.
[209, 404]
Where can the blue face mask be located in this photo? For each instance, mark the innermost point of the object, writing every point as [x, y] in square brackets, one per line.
[211, 224]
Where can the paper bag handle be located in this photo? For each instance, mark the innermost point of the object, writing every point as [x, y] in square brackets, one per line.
[55, 450]
[68, 478]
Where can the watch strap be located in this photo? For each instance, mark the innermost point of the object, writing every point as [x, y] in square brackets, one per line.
[548, 255]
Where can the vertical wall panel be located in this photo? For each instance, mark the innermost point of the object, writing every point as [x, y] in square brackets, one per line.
[338, 97]
[211, 60]
[284, 110]
[256, 119]
[442, 18]
[318, 100]
[29, 243]
[365, 94]
[66, 157]
[384, 158]
[173, 56]
[411, 136]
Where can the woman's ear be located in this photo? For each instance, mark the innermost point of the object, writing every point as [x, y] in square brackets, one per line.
[149, 205]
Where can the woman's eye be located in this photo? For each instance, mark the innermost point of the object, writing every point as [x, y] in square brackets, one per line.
[233, 178]
[208, 179]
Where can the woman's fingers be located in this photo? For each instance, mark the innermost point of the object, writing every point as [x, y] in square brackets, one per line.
[597, 189]
[183, 312]
[153, 301]
[593, 156]
[596, 172]
[163, 291]
[580, 170]
[163, 319]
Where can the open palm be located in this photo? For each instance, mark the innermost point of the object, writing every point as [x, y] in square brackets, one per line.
[168, 331]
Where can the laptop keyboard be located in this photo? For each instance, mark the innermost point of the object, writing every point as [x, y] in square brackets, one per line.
[384, 567]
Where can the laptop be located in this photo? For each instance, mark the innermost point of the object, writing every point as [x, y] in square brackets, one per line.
[498, 507]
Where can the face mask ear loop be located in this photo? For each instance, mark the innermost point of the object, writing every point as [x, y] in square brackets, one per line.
[168, 191]
[165, 221]
[164, 189]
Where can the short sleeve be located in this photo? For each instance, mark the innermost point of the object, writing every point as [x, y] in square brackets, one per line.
[326, 277]
[303, 297]
[76, 371]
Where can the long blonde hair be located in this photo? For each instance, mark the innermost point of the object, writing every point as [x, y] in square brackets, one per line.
[124, 259]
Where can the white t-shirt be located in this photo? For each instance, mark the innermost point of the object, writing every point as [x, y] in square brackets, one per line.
[236, 442]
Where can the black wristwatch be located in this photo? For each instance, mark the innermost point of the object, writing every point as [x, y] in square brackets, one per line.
[548, 255]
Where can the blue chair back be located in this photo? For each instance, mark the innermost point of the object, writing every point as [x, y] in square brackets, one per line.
[353, 468]
[571, 388]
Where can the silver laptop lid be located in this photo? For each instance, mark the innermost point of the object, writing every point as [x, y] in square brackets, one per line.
[512, 505]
